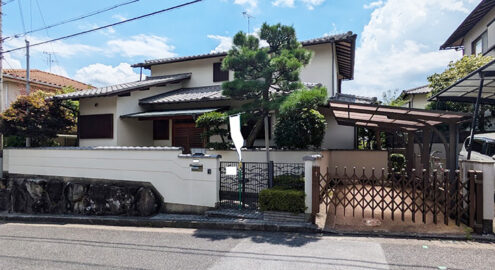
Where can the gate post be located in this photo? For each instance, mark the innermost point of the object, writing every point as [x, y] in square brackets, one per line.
[309, 162]
[487, 169]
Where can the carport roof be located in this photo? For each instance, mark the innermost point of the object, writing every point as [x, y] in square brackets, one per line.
[466, 89]
[388, 117]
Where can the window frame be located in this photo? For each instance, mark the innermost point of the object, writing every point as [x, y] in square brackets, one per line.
[219, 75]
[105, 133]
[483, 39]
[158, 136]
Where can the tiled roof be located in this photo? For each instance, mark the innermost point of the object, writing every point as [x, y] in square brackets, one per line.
[345, 50]
[38, 76]
[425, 89]
[206, 93]
[123, 88]
[354, 99]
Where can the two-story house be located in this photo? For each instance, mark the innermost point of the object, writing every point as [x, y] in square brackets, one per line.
[476, 34]
[160, 110]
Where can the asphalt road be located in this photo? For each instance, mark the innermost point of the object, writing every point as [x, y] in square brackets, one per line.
[31, 246]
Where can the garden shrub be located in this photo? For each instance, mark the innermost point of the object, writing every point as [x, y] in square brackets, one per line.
[288, 181]
[282, 200]
[299, 125]
[398, 162]
[214, 124]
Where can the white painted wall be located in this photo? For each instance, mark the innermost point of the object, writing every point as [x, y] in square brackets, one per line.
[322, 68]
[337, 136]
[170, 174]
[419, 101]
[478, 29]
[101, 105]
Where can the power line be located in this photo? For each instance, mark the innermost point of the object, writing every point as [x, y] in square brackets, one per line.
[7, 2]
[22, 16]
[72, 19]
[108, 25]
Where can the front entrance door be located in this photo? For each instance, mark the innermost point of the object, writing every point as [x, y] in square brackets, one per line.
[187, 135]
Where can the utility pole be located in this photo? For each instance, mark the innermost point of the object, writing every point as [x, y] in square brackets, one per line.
[28, 86]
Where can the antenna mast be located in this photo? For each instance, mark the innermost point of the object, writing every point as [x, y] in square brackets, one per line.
[248, 17]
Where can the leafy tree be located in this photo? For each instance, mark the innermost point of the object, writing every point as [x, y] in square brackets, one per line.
[214, 124]
[299, 124]
[263, 76]
[454, 72]
[39, 118]
[393, 98]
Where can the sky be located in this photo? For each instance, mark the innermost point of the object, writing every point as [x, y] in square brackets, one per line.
[397, 47]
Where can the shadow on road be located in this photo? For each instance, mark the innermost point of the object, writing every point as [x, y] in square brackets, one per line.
[287, 239]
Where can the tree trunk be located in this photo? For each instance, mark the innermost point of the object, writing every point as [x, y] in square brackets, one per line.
[254, 132]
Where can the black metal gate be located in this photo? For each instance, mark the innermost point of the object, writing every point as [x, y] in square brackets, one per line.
[241, 191]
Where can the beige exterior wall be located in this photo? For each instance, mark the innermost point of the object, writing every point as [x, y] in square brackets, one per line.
[170, 174]
[478, 29]
[10, 93]
[418, 101]
[102, 105]
[354, 158]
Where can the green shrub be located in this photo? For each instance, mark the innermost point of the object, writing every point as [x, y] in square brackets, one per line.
[398, 162]
[282, 200]
[214, 124]
[288, 181]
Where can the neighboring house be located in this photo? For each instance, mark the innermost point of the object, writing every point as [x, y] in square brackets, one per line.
[160, 110]
[14, 84]
[416, 98]
[476, 34]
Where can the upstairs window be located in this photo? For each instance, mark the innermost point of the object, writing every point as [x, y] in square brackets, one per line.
[479, 46]
[218, 74]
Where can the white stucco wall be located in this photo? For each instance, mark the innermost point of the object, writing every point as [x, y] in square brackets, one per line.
[102, 105]
[278, 156]
[170, 174]
[322, 68]
[419, 101]
[478, 29]
[337, 136]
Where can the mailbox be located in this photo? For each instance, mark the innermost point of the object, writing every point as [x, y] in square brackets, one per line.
[196, 166]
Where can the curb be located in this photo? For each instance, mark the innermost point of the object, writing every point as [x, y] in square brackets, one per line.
[488, 238]
[242, 225]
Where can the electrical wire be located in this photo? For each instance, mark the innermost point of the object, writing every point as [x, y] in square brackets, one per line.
[108, 25]
[48, 35]
[72, 19]
[22, 16]
[7, 2]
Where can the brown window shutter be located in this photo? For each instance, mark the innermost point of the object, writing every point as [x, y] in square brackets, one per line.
[96, 126]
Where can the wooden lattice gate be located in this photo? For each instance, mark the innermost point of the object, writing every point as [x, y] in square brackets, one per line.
[400, 195]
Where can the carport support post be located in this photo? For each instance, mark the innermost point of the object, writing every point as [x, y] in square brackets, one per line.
[410, 151]
[475, 116]
[452, 159]
[425, 152]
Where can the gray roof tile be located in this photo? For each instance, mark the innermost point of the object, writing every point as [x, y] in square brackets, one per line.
[125, 87]
[206, 93]
[425, 89]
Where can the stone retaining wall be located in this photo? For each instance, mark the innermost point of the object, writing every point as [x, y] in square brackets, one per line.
[67, 195]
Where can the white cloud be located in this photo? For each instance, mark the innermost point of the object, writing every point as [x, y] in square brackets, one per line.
[250, 5]
[148, 46]
[310, 4]
[119, 17]
[224, 45]
[9, 62]
[104, 75]
[283, 3]
[399, 45]
[57, 69]
[62, 48]
[373, 5]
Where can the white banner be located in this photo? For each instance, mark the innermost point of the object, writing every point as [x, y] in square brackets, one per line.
[235, 133]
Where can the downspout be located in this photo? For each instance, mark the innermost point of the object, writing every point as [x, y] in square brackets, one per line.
[333, 70]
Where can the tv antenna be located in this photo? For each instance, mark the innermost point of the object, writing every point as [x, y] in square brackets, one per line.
[248, 17]
[49, 60]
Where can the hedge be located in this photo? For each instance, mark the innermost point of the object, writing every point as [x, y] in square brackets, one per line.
[282, 200]
[288, 181]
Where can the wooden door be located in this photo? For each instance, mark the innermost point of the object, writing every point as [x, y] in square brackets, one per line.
[187, 135]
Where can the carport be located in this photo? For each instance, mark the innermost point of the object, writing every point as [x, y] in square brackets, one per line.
[477, 88]
[392, 119]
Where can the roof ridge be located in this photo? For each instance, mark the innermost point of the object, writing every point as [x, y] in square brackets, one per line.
[42, 71]
[308, 42]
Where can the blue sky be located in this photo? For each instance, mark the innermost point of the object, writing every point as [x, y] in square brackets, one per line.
[397, 46]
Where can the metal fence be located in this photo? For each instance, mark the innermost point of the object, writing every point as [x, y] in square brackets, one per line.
[241, 191]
